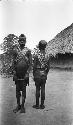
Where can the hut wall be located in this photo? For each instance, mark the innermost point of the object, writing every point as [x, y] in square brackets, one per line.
[62, 60]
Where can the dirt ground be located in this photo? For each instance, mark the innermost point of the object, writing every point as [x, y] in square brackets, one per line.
[58, 102]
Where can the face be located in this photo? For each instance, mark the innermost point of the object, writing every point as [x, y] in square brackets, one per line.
[22, 42]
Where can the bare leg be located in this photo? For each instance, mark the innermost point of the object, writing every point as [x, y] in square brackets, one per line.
[22, 106]
[23, 99]
[42, 96]
[18, 94]
[18, 107]
[37, 97]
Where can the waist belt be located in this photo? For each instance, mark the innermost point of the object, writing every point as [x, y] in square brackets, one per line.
[21, 79]
[41, 68]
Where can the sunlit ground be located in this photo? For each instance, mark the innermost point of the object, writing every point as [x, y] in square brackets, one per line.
[58, 103]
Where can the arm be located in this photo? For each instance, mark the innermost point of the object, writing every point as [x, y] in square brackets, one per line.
[14, 70]
[47, 67]
[30, 60]
[34, 65]
[29, 56]
[14, 59]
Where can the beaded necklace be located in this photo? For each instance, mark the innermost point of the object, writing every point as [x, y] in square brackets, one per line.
[21, 53]
[42, 58]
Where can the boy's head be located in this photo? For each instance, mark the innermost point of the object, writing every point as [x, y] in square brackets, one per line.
[42, 44]
[22, 40]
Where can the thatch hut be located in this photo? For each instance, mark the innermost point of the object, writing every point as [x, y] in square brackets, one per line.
[61, 48]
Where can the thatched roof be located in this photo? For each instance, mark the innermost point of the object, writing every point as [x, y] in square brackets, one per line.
[62, 42]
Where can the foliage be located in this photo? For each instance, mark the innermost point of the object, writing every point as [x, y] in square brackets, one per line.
[9, 42]
[7, 57]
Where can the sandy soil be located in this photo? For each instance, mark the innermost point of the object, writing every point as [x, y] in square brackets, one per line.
[58, 103]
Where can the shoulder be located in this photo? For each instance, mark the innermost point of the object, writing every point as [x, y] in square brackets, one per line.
[16, 47]
[15, 50]
[35, 52]
[27, 49]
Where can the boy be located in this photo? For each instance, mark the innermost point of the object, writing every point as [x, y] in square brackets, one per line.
[40, 71]
[22, 62]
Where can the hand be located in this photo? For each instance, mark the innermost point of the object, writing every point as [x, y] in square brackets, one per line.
[28, 84]
[14, 72]
[33, 78]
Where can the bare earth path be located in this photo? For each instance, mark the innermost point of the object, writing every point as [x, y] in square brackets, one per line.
[58, 104]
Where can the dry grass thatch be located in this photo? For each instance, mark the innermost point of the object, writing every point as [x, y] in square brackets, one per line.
[62, 43]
